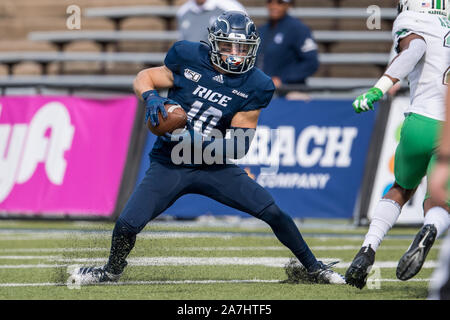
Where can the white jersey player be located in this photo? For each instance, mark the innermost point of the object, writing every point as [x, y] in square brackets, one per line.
[428, 78]
[421, 36]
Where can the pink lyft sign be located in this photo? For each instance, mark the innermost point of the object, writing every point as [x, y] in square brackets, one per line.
[63, 155]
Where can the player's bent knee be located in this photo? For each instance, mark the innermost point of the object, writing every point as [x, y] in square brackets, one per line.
[273, 215]
[123, 226]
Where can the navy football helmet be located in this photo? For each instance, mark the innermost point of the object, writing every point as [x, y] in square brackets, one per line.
[234, 42]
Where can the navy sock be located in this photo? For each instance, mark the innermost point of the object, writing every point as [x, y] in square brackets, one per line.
[288, 234]
[123, 240]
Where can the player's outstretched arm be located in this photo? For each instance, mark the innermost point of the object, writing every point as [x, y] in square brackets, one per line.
[411, 50]
[151, 79]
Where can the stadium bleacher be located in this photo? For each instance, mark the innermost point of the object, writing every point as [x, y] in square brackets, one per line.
[11, 59]
[142, 31]
[168, 13]
[62, 38]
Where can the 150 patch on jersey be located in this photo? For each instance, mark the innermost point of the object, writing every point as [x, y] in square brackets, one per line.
[192, 75]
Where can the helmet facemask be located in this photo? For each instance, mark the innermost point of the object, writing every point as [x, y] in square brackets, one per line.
[233, 53]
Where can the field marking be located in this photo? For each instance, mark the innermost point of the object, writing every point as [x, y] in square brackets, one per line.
[32, 266]
[199, 261]
[8, 235]
[121, 283]
[26, 234]
[259, 261]
[54, 250]
[279, 248]
[230, 248]
[29, 257]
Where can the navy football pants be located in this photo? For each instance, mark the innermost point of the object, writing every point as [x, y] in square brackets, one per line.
[163, 184]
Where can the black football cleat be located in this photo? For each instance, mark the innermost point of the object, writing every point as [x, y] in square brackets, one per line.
[412, 261]
[359, 270]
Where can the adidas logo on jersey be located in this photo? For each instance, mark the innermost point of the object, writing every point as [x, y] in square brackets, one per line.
[218, 78]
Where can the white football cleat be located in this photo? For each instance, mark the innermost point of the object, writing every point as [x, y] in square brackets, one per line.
[92, 275]
[323, 274]
[326, 275]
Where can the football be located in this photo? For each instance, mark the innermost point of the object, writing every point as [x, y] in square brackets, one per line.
[176, 119]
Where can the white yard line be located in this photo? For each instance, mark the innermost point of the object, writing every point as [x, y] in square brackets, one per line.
[16, 235]
[29, 257]
[280, 248]
[192, 261]
[42, 284]
[33, 235]
[49, 284]
[31, 250]
[196, 261]
[32, 266]
[261, 248]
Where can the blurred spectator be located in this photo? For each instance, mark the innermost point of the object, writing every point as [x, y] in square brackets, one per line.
[287, 52]
[196, 15]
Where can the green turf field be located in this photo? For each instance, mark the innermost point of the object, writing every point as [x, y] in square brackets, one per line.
[206, 260]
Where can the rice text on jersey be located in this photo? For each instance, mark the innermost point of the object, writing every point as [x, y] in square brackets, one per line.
[212, 96]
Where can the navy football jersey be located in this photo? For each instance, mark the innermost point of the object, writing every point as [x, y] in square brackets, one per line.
[210, 98]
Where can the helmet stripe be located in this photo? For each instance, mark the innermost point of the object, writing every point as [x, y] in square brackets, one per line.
[226, 22]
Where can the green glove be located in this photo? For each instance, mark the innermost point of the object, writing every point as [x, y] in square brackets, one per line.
[365, 101]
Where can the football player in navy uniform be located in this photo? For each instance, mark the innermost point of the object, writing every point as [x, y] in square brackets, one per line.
[219, 90]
